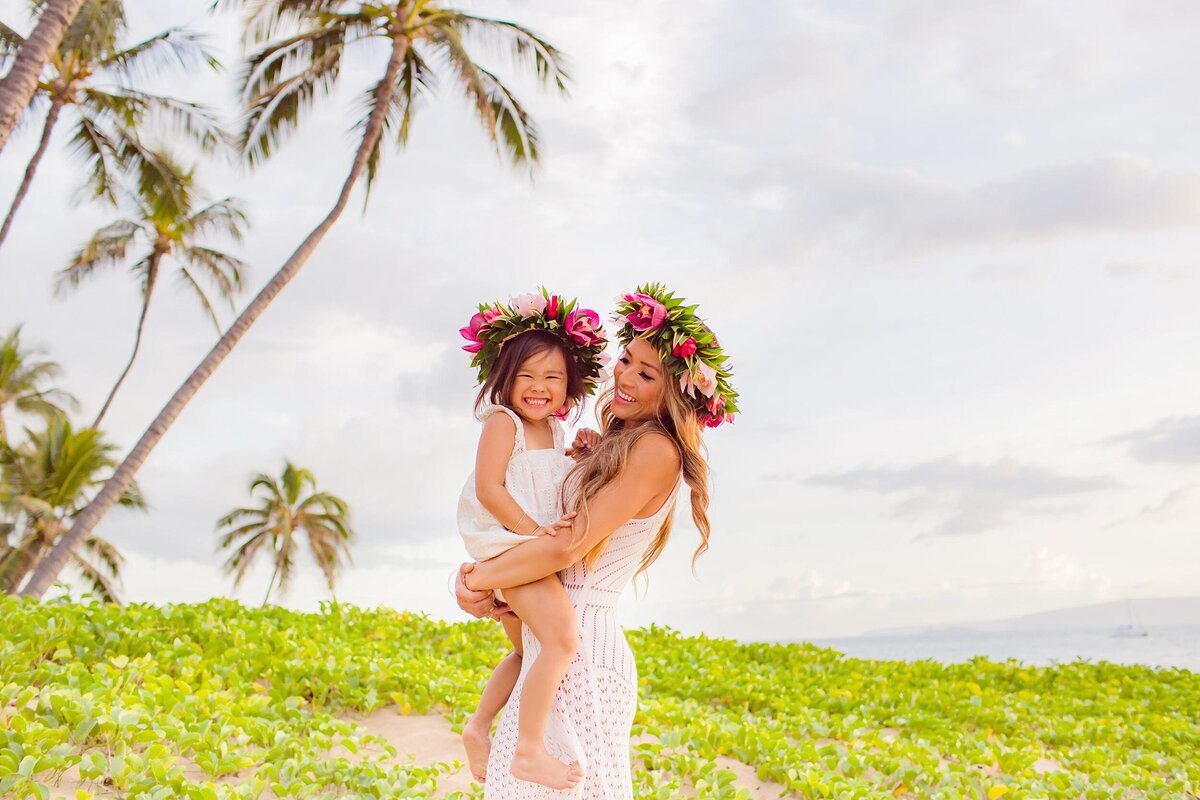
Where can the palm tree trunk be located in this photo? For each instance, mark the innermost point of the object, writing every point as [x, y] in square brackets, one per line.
[271, 585]
[49, 567]
[17, 563]
[18, 86]
[51, 117]
[151, 277]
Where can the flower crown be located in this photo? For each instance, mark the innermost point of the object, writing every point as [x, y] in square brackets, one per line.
[686, 346]
[579, 329]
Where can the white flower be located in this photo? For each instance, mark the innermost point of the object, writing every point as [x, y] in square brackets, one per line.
[704, 379]
[529, 305]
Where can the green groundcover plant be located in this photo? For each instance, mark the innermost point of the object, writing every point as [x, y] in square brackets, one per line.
[215, 700]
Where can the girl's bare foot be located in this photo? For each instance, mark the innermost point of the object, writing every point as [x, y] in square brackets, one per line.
[478, 745]
[538, 766]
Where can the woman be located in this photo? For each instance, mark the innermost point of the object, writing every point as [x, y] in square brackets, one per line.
[670, 382]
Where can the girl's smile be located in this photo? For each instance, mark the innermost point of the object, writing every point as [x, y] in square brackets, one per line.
[540, 386]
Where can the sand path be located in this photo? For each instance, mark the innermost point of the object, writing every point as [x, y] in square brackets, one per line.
[418, 739]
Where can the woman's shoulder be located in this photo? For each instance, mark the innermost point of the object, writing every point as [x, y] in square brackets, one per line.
[655, 452]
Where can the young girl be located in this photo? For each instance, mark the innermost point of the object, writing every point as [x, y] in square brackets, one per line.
[537, 358]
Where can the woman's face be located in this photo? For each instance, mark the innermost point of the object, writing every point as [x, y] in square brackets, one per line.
[640, 381]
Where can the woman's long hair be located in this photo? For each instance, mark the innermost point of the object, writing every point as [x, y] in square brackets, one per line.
[677, 420]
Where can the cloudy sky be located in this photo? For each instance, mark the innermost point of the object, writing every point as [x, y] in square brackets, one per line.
[952, 249]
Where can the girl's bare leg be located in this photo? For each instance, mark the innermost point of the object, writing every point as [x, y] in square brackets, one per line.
[544, 606]
[477, 733]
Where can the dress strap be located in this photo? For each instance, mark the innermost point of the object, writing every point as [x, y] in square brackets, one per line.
[519, 444]
[560, 435]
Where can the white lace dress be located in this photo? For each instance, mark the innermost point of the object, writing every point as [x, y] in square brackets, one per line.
[593, 711]
[534, 479]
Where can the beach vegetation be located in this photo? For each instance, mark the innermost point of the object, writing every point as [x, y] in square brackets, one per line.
[215, 700]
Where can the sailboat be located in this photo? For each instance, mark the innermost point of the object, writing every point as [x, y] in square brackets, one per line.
[1130, 630]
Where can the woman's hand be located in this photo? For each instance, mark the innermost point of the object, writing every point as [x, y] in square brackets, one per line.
[585, 440]
[477, 604]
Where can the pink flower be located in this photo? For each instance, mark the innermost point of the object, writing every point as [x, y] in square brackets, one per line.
[648, 313]
[492, 314]
[686, 348]
[704, 379]
[562, 413]
[552, 307]
[529, 305]
[582, 326]
[604, 359]
[473, 333]
[714, 413]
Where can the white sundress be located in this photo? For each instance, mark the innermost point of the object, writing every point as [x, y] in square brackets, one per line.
[596, 701]
[534, 478]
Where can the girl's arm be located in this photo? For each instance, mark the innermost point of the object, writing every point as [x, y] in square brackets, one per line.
[651, 472]
[491, 462]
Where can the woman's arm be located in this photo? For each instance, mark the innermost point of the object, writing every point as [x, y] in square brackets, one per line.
[491, 462]
[650, 472]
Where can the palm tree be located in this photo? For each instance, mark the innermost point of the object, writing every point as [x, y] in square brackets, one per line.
[46, 481]
[89, 74]
[282, 512]
[25, 382]
[164, 228]
[30, 56]
[307, 39]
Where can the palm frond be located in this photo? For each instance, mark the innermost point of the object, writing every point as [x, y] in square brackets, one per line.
[280, 84]
[105, 552]
[507, 124]
[132, 497]
[99, 574]
[225, 217]
[221, 269]
[415, 81]
[99, 152]
[189, 278]
[106, 248]
[268, 19]
[286, 559]
[145, 59]
[95, 29]
[240, 560]
[548, 62]
[133, 110]
[10, 43]
[161, 183]
[239, 514]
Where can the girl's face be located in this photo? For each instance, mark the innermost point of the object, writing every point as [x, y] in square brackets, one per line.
[640, 381]
[540, 387]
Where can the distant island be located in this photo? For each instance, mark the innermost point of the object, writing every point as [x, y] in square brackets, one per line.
[1149, 612]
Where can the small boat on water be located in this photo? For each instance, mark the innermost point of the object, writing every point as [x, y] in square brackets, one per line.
[1130, 630]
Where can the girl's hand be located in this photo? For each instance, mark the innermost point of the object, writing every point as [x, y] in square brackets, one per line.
[585, 439]
[553, 528]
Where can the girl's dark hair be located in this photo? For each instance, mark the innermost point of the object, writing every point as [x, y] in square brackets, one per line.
[498, 387]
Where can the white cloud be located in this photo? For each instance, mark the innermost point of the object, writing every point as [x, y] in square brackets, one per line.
[1175, 440]
[976, 497]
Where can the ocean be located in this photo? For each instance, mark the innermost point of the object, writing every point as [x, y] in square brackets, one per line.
[1166, 646]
